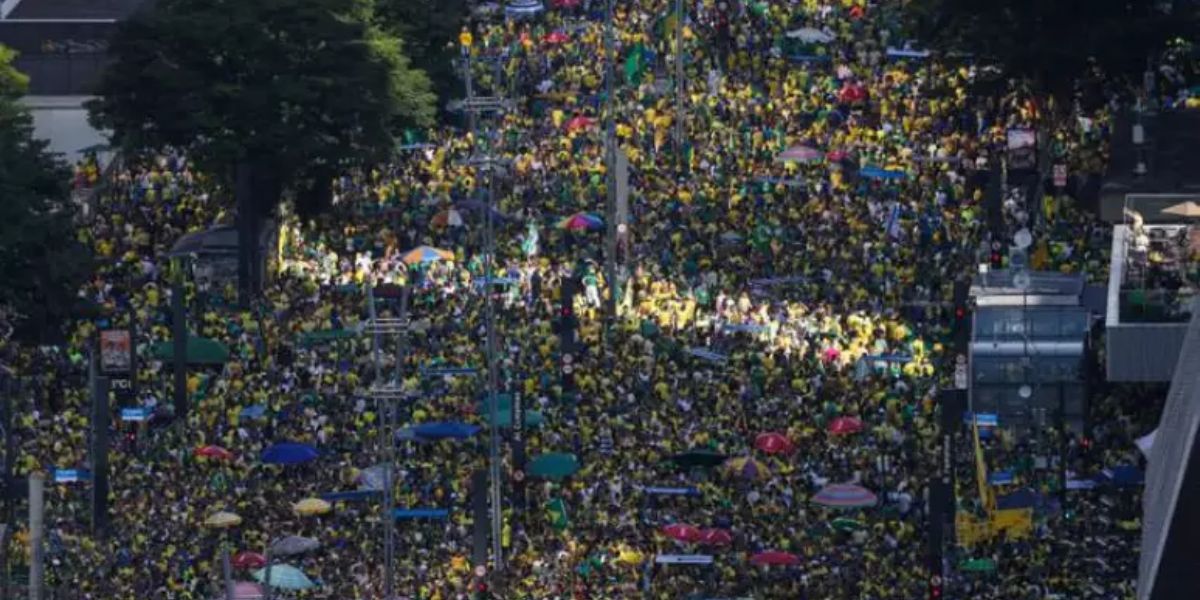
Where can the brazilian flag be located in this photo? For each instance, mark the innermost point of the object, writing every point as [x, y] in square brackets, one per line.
[635, 65]
[556, 511]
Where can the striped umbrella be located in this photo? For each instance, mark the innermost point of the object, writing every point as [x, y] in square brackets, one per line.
[844, 495]
[801, 154]
[581, 221]
[426, 254]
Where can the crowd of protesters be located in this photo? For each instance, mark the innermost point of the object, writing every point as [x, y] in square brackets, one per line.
[815, 291]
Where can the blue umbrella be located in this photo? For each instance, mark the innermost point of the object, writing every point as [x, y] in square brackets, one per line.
[289, 453]
[445, 430]
[285, 577]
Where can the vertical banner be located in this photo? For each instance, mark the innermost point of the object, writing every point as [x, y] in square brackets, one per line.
[518, 451]
[117, 361]
[622, 178]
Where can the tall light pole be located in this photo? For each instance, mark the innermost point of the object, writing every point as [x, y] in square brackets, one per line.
[610, 159]
[680, 106]
[386, 396]
[474, 105]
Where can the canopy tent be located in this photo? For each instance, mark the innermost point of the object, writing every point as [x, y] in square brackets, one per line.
[199, 351]
[289, 453]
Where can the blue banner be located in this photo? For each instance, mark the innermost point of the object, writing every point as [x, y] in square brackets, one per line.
[351, 496]
[671, 491]
[1001, 478]
[683, 559]
[421, 513]
[71, 475]
[135, 414]
[983, 419]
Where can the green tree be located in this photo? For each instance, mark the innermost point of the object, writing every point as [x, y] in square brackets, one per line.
[41, 264]
[1053, 47]
[430, 31]
[277, 96]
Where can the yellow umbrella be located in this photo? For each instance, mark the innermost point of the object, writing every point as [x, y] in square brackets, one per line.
[312, 506]
[222, 520]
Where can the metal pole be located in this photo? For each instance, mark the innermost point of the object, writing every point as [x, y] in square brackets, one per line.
[267, 575]
[610, 149]
[389, 522]
[680, 107]
[227, 570]
[470, 92]
[179, 343]
[10, 500]
[492, 380]
[37, 482]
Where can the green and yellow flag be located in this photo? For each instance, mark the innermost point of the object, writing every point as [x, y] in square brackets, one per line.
[556, 511]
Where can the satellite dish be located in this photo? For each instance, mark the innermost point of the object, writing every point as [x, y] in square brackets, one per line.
[1023, 239]
[1022, 280]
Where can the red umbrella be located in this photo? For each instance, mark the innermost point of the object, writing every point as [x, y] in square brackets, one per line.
[716, 537]
[216, 452]
[845, 426]
[774, 557]
[248, 560]
[556, 37]
[852, 94]
[682, 532]
[578, 123]
[773, 443]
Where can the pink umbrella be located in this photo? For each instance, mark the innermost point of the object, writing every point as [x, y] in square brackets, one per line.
[247, 590]
[556, 37]
[852, 94]
[716, 537]
[248, 560]
[682, 532]
[216, 452]
[845, 426]
[774, 557]
[831, 354]
[580, 122]
[773, 443]
[564, 3]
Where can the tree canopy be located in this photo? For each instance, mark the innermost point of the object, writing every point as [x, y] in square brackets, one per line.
[430, 31]
[1052, 46]
[298, 89]
[41, 264]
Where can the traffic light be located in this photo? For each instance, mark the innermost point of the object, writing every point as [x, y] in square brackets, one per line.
[962, 313]
[935, 588]
[481, 591]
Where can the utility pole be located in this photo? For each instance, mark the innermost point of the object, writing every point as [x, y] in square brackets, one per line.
[680, 106]
[386, 395]
[37, 511]
[610, 160]
[488, 161]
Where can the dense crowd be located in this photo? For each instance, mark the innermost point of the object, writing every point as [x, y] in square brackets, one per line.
[815, 290]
